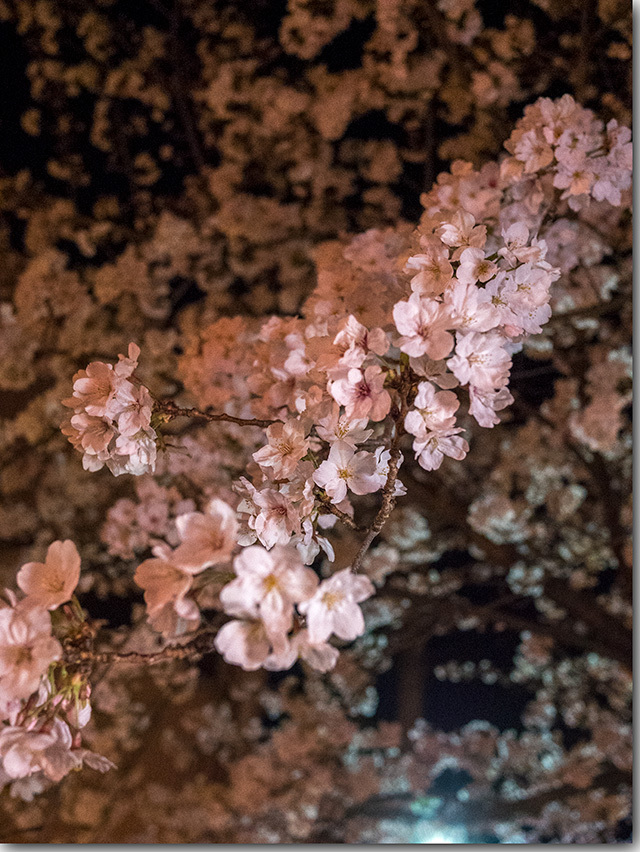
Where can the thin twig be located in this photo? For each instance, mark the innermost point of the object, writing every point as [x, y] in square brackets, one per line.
[171, 410]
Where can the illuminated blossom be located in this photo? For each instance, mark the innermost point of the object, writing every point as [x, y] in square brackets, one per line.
[431, 449]
[27, 648]
[268, 584]
[344, 468]
[434, 411]
[423, 325]
[334, 607]
[207, 538]
[336, 427]
[165, 584]
[287, 445]
[356, 341]
[481, 360]
[363, 394]
[243, 643]
[111, 423]
[52, 582]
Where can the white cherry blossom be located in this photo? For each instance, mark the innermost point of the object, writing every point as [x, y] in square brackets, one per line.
[334, 607]
[345, 469]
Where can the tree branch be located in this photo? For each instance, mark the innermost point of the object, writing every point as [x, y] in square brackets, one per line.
[171, 411]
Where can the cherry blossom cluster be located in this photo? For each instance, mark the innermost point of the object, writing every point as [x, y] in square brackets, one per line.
[111, 423]
[268, 587]
[207, 539]
[270, 596]
[43, 704]
[343, 383]
[586, 159]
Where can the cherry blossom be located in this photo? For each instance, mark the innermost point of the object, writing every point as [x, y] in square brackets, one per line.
[481, 360]
[434, 410]
[337, 427]
[52, 582]
[243, 643]
[474, 266]
[434, 270]
[345, 469]
[356, 341]
[423, 325]
[27, 648]
[267, 586]
[431, 448]
[207, 538]
[277, 518]
[484, 404]
[382, 458]
[471, 308]
[397, 319]
[287, 445]
[363, 394]
[334, 607]
[166, 584]
[111, 423]
[462, 232]
[319, 655]
[25, 752]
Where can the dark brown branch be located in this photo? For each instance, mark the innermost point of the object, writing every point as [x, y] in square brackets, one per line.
[388, 492]
[202, 643]
[387, 507]
[171, 410]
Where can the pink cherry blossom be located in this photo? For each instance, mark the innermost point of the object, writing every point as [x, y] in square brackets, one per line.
[423, 325]
[111, 423]
[356, 341]
[431, 450]
[165, 584]
[363, 394]
[434, 411]
[470, 308]
[243, 643]
[434, 271]
[48, 750]
[462, 232]
[135, 455]
[481, 360]
[278, 518]
[126, 366]
[533, 151]
[287, 445]
[93, 388]
[267, 585]
[336, 427]
[207, 538]
[484, 404]
[321, 656]
[52, 582]
[382, 457]
[27, 648]
[95, 434]
[344, 468]
[131, 408]
[334, 607]
[474, 266]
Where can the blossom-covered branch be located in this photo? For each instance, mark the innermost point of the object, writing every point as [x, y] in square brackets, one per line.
[456, 299]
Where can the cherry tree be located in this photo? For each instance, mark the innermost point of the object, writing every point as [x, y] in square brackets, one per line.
[308, 502]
